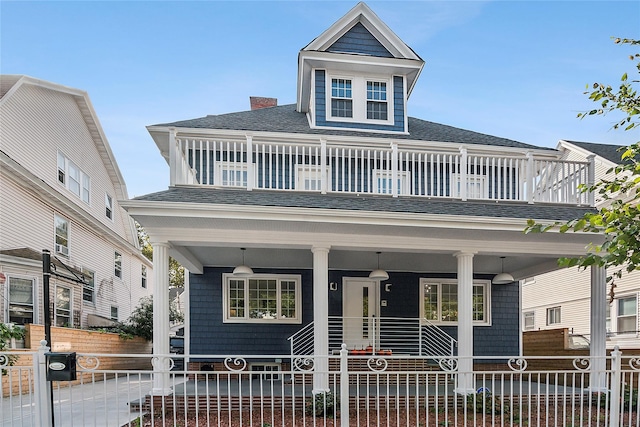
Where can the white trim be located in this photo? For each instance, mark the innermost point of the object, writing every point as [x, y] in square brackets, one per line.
[532, 314]
[310, 173]
[404, 181]
[69, 322]
[486, 284]
[60, 249]
[34, 295]
[269, 318]
[234, 167]
[551, 318]
[473, 181]
[358, 98]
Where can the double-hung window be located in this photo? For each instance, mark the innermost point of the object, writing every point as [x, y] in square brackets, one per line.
[627, 315]
[73, 178]
[359, 99]
[117, 264]
[439, 300]
[63, 306]
[114, 313]
[309, 177]
[21, 300]
[262, 299]
[383, 182]
[108, 203]
[88, 288]
[341, 97]
[553, 316]
[377, 108]
[143, 275]
[62, 235]
[529, 320]
[233, 174]
[477, 186]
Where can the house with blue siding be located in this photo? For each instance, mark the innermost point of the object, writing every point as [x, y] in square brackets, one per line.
[341, 219]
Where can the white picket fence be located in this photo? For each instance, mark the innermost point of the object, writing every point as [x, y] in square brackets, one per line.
[366, 390]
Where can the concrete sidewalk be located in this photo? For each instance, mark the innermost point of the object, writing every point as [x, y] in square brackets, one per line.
[99, 404]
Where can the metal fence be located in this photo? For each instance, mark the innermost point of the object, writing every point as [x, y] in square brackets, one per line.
[366, 390]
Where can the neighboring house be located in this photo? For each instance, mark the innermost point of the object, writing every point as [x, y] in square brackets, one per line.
[561, 299]
[343, 219]
[61, 191]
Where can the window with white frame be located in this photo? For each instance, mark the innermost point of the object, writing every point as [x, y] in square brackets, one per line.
[529, 320]
[262, 298]
[553, 316]
[309, 177]
[63, 306]
[439, 299]
[21, 307]
[232, 174]
[383, 182]
[117, 264]
[477, 186]
[114, 312]
[62, 235]
[377, 106]
[627, 315]
[108, 203]
[341, 98]
[359, 99]
[88, 288]
[143, 274]
[73, 178]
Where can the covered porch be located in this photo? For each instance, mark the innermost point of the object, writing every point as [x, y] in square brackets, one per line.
[330, 244]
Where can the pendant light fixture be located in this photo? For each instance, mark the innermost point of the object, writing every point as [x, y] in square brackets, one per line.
[502, 278]
[242, 270]
[378, 273]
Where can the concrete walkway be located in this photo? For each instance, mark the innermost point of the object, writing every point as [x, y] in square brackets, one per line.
[100, 404]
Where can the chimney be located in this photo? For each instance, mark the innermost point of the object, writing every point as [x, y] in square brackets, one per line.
[258, 102]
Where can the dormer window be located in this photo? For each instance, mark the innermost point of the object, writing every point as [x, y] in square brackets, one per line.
[359, 99]
[341, 98]
[377, 107]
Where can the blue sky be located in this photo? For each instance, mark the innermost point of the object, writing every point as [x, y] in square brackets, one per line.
[515, 69]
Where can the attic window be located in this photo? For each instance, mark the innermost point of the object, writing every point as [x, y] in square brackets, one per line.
[341, 94]
[377, 100]
[359, 99]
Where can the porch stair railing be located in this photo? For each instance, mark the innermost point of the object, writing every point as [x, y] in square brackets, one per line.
[382, 335]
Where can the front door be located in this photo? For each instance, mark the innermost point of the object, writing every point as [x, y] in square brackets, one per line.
[359, 312]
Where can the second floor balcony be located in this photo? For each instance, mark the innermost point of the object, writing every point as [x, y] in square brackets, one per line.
[393, 169]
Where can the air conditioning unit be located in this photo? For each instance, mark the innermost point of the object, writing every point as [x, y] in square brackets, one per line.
[62, 249]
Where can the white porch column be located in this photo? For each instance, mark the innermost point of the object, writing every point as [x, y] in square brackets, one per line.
[465, 323]
[320, 318]
[160, 319]
[598, 324]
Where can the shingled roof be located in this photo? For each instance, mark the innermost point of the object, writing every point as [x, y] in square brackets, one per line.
[609, 152]
[286, 119]
[371, 203]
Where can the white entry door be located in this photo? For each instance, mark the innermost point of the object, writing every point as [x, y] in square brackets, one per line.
[359, 312]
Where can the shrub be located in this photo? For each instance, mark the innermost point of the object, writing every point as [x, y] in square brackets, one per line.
[483, 402]
[321, 404]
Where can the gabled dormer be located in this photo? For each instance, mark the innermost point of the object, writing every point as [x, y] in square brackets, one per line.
[357, 75]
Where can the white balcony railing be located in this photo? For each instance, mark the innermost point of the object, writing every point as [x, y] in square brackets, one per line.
[390, 169]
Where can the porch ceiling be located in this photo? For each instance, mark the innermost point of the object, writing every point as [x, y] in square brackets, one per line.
[202, 234]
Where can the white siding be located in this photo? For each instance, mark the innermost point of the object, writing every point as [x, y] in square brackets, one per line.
[37, 122]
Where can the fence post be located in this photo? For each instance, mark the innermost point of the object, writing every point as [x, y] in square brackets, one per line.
[41, 390]
[616, 380]
[344, 386]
